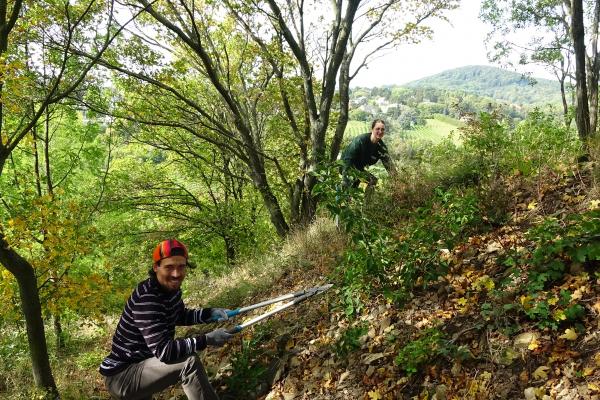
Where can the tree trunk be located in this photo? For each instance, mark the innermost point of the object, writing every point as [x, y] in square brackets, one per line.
[578, 37]
[565, 104]
[32, 311]
[296, 201]
[308, 209]
[593, 72]
[230, 251]
[309, 202]
[344, 92]
[275, 213]
[593, 99]
[58, 332]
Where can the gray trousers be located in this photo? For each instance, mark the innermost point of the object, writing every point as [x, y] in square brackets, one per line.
[139, 381]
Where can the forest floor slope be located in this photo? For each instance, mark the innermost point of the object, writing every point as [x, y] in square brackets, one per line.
[452, 340]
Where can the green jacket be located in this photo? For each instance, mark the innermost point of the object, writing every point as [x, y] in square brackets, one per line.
[361, 152]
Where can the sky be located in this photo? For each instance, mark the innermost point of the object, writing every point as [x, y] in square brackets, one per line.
[457, 43]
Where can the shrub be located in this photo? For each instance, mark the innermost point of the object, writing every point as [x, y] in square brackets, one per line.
[486, 138]
[556, 246]
[350, 340]
[430, 345]
[248, 369]
[541, 140]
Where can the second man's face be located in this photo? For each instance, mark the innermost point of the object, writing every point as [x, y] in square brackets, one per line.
[171, 272]
[377, 132]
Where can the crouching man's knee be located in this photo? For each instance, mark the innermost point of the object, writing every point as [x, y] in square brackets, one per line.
[191, 365]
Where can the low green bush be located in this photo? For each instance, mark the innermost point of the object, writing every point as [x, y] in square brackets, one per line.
[248, 368]
[350, 340]
[430, 345]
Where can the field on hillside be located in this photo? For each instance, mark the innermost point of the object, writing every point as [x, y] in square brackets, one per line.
[355, 128]
[435, 129]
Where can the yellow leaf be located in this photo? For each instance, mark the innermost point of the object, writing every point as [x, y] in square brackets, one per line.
[570, 334]
[532, 205]
[541, 372]
[593, 387]
[462, 301]
[588, 371]
[290, 344]
[374, 395]
[534, 344]
[553, 301]
[484, 282]
[594, 204]
[526, 302]
[559, 315]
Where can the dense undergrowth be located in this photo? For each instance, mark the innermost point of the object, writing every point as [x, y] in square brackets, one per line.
[403, 240]
[492, 245]
[497, 241]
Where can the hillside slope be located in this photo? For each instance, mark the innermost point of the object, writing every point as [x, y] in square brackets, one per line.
[493, 82]
[451, 340]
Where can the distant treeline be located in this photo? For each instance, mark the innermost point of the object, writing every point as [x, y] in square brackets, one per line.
[454, 93]
[407, 108]
[501, 85]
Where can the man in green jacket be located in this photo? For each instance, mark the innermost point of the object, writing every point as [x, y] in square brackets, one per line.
[366, 150]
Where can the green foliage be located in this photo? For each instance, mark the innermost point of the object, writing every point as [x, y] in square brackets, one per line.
[90, 360]
[429, 346]
[248, 369]
[367, 261]
[375, 261]
[486, 138]
[541, 140]
[350, 340]
[558, 243]
[13, 348]
[448, 218]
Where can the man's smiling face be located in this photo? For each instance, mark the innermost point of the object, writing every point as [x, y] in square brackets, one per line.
[170, 272]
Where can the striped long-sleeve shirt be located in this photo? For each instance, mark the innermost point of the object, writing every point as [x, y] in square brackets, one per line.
[147, 328]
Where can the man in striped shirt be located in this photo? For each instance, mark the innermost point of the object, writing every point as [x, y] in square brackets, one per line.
[145, 357]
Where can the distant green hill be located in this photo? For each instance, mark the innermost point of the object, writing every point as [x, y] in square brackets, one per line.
[493, 82]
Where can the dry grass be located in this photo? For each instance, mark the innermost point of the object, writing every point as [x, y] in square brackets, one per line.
[316, 246]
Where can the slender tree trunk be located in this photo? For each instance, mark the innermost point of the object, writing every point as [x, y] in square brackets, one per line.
[308, 209]
[230, 251]
[275, 213]
[344, 93]
[593, 100]
[58, 332]
[578, 37]
[565, 104]
[296, 201]
[32, 311]
[594, 67]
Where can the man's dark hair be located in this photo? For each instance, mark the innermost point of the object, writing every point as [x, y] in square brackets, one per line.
[376, 121]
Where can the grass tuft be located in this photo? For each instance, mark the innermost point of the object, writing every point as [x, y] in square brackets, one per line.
[313, 247]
